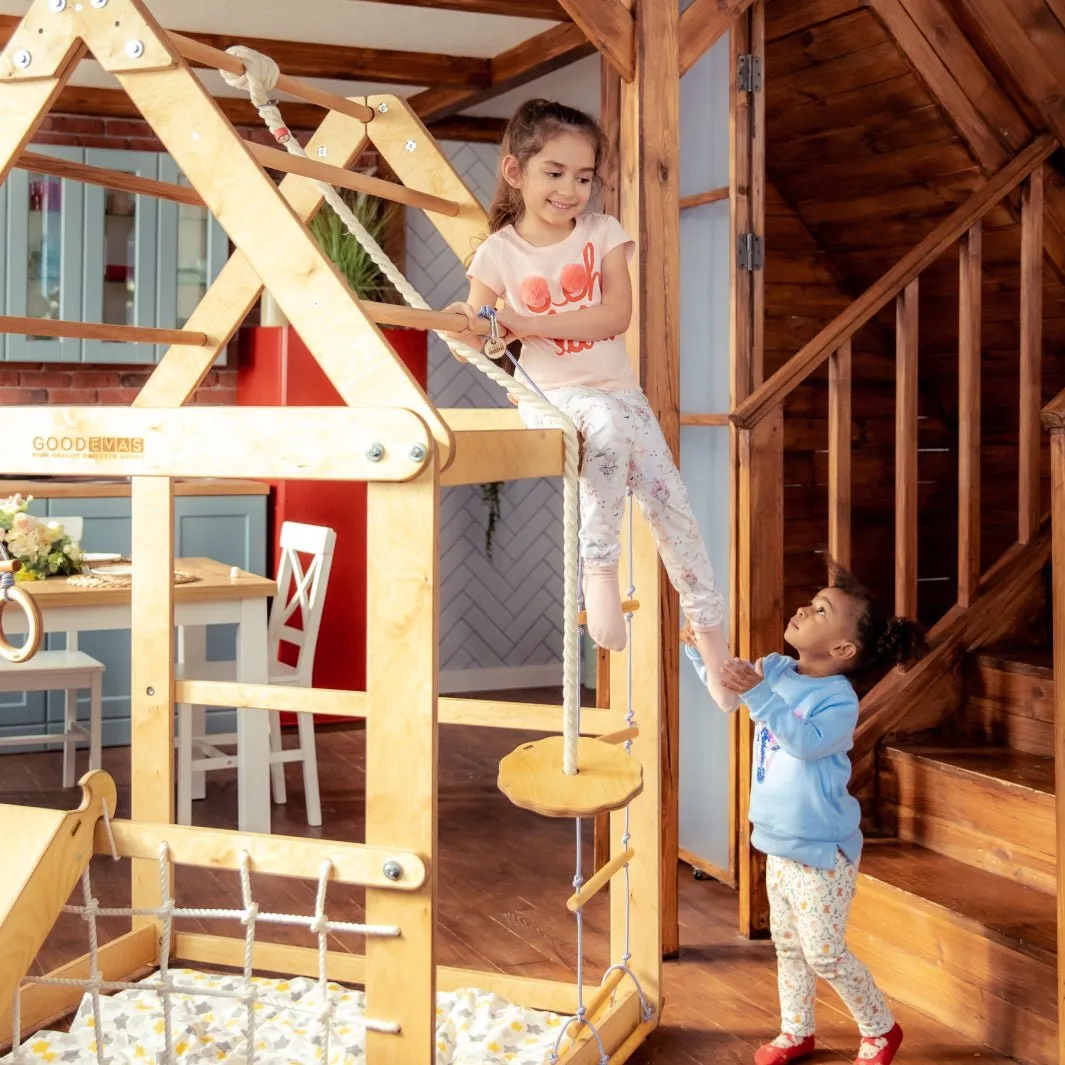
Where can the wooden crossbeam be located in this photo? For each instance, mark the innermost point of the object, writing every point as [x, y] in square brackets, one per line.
[543, 54]
[109, 179]
[610, 26]
[543, 9]
[132, 334]
[702, 24]
[306, 59]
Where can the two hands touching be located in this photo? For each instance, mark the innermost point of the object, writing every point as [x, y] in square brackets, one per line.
[736, 675]
[512, 326]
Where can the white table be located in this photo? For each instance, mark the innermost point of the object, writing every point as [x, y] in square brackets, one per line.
[220, 596]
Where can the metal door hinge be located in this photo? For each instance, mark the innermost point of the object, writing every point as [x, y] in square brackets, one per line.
[750, 251]
[749, 73]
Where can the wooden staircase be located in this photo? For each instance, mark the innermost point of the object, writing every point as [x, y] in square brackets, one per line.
[956, 912]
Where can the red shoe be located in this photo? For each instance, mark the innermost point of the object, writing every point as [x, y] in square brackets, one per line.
[785, 1048]
[879, 1049]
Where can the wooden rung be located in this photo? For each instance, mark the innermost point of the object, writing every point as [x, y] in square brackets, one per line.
[627, 607]
[108, 179]
[332, 701]
[134, 334]
[277, 159]
[621, 736]
[412, 318]
[204, 54]
[217, 848]
[10, 565]
[607, 778]
[595, 884]
[699, 199]
[594, 1004]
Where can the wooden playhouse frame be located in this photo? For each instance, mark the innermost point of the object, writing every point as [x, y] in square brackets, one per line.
[391, 436]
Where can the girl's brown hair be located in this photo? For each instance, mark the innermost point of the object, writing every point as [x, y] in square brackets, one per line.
[529, 129]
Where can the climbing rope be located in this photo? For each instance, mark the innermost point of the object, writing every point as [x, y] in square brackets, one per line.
[259, 77]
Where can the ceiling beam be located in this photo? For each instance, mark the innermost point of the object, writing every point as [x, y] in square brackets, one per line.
[969, 95]
[543, 9]
[546, 52]
[702, 24]
[610, 26]
[302, 59]
[115, 103]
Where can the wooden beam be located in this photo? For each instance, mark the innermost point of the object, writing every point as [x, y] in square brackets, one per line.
[970, 319]
[1029, 503]
[839, 455]
[303, 59]
[906, 453]
[1057, 510]
[542, 9]
[609, 24]
[543, 54]
[702, 23]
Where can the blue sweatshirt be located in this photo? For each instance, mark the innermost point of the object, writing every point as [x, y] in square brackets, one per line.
[800, 807]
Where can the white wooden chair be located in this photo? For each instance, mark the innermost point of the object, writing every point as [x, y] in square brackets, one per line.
[299, 588]
[69, 671]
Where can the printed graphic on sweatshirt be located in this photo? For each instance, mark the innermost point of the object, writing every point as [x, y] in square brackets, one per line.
[765, 744]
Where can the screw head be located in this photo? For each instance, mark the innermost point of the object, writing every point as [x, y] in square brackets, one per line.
[22, 59]
[392, 869]
[375, 452]
[195, 135]
[382, 109]
[411, 145]
[134, 49]
[57, 5]
[323, 151]
[417, 452]
[149, 691]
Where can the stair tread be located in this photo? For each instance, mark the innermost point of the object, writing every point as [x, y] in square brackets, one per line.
[1032, 772]
[1035, 662]
[1021, 917]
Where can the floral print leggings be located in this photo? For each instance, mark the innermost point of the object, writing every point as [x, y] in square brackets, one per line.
[808, 911]
[624, 447]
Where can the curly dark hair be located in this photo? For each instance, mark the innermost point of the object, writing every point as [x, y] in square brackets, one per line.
[881, 640]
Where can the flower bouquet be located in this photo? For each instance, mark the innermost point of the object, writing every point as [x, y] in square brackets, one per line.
[42, 546]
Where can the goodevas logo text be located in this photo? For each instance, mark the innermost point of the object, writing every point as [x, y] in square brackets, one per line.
[88, 447]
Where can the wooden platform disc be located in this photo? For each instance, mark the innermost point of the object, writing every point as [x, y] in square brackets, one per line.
[607, 778]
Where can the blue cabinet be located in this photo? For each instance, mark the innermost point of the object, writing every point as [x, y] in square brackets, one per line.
[86, 253]
[230, 529]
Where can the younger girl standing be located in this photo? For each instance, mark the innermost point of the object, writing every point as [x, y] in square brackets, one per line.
[563, 274]
[802, 816]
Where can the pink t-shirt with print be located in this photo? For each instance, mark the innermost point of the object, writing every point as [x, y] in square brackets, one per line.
[552, 280]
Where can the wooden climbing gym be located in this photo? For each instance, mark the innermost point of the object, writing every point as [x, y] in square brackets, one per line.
[364, 646]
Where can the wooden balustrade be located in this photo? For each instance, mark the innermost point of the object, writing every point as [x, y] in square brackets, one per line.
[983, 595]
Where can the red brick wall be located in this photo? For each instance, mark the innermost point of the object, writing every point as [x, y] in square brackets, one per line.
[49, 383]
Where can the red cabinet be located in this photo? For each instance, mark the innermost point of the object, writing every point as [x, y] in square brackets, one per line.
[276, 369]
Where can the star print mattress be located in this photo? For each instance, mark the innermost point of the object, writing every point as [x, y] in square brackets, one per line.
[472, 1027]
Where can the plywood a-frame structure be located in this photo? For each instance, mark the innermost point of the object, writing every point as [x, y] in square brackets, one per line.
[390, 435]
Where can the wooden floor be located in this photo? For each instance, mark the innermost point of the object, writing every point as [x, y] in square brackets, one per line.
[505, 875]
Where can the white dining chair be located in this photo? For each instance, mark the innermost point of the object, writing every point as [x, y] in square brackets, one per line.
[68, 671]
[300, 588]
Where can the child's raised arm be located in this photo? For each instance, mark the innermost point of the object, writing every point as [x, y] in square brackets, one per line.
[607, 319]
[827, 729]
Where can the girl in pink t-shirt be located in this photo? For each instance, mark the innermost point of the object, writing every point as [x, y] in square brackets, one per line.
[563, 276]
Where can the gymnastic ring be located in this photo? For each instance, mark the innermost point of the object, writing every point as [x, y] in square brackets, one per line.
[33, 620]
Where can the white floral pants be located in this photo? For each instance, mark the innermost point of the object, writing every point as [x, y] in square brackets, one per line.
[808, 911]
[624, 447]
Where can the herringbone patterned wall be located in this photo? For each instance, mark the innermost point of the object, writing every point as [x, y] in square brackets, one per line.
[504, 612]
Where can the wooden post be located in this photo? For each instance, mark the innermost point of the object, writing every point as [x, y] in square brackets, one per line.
[401, 807]
[969, 322]
[1029, 507]
[610, 121]
[152, 676]
[906, 453]
[760, 596]
[1057, 511]
[754, 629]
[650, 211]
[839, 455]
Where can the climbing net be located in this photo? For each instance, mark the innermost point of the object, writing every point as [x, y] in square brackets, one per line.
[251, 994]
